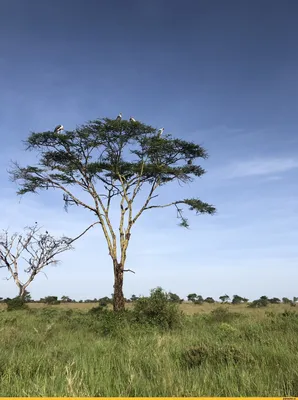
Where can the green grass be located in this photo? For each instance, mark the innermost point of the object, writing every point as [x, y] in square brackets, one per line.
[53, 351]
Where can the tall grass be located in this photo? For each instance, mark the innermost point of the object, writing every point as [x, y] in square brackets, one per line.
[57, 352]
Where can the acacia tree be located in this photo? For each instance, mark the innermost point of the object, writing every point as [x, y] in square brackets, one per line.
[113, 159]
[32, 248]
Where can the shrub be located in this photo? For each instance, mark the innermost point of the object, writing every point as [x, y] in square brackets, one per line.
[175, 298]
[215, 354]
[221, 314]
[158, 310]
[261, 302]
[104, 301]
[50, 300]
[209, 300]
[16, 304]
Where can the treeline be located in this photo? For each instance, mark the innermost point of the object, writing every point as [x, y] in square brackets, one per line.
[194, 298]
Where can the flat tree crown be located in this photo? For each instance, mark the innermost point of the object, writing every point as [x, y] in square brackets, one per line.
[120, 155]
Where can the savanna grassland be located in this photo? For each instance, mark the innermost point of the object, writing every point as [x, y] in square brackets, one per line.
[209, 350]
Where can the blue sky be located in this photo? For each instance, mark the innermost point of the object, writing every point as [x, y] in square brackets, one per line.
[221, 73]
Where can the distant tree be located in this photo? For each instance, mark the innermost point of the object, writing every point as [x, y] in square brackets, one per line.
[134, 298]
[245, 300]
[110, 159]
[51, 300]
[209, 300]
[274, 300]
[285, 300]
[261, 302]
[33, 250]
[174, 298]
[104, 301]
[237, 299]
[295, 299]
[192, 297]
[66, 299]
[199, 299]
[225, 298]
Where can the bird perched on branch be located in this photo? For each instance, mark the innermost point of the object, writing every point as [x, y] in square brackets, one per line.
[119, 117]
[160, 132]
[132, 119]
[189, 162]
[59, 128]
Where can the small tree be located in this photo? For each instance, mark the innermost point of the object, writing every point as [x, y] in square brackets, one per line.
[274, 300]
[224, 299]
[51, 300]
[174, 298]
[285, 300]
[192, 297]
[209, 300]
[199, 299]
[66, 299]
[237, 299]
[134, 298]
[113, 159]
[32, 248]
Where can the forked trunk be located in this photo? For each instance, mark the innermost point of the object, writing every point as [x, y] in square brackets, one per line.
[118, 301]
[22, 292]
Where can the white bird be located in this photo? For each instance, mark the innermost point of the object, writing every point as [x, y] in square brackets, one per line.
[132, 119]
[160, 132]
[119, 117]
[59, 128]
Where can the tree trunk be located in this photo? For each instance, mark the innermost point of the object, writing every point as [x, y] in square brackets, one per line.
[22, 291]
[118, 301]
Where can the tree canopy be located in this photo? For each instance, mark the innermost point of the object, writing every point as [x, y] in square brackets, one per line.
[111, 159]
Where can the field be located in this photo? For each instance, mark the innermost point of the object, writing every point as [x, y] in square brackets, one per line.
[216, 351]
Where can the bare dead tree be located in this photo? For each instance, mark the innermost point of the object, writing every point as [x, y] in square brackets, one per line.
[33, 249]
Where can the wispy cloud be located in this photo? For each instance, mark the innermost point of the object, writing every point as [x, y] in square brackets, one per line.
[260, 167]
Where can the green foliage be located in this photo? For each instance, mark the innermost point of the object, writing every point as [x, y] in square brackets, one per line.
[209, 300]
[66, 299]
[174, 298]
[195, 298]
[285, 300]
[192, 297]
[157, 310]
[274, 300]
[47, 353]
[228, 354]
[225, 298]
[261, 302]
[51, 300]
[134, 298]
[104, 301]
[118, 151]
[221, 314]
[16, 303]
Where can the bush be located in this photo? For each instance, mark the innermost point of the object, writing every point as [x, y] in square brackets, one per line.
[174, 298]
[104, 301]
[52, 300]
[16, 304]
[209, 300]
[261, 302]
[158, 310]
[215, 354]
[223, 315]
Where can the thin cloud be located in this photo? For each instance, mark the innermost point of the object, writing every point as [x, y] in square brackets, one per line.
[261, 167]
